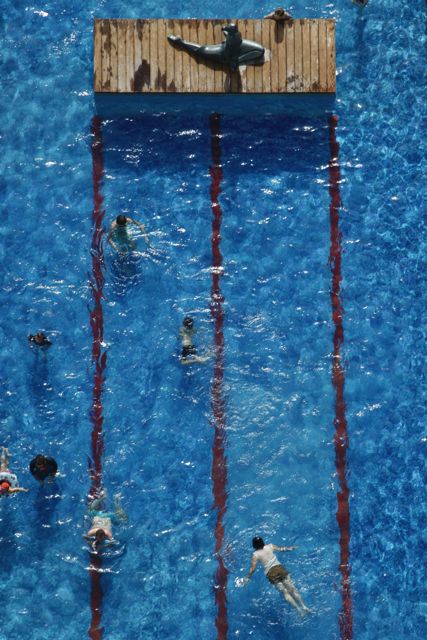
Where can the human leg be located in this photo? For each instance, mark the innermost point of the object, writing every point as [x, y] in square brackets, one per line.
[121, 514]
[5, 458]
[291, 589]
[285, 593]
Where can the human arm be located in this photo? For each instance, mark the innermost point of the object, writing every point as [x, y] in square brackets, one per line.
[141, 226]
[276, 548]
[245, 580]
[18, 490]
[110, 236]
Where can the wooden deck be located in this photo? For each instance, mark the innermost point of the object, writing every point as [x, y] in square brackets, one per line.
[134, 56]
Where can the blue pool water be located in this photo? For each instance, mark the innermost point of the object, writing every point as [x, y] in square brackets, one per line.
[279, 401]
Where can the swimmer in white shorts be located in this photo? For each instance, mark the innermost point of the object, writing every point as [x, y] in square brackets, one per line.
[275, 573]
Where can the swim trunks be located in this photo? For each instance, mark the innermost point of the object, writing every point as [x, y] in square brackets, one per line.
[188, 350]
[277, 574]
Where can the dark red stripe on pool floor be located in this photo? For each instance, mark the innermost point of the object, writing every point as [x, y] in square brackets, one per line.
[99, 361]
[338, 380]
[219, 461]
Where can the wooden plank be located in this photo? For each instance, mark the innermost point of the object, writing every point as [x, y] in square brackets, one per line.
[154, 56]
[266, 67]
[185, 58]
[235, 81]
[281, 35]
[274, 56]
[130, 54]
[177, 56]
[97, 56]
[170, 59]
[142, 73]
[258, 68]
[248, 85]
[114, 75]
[314, 56]
[121, 55]
[298, 55]
[293, 55]
[306, 59]
[331, 73]
[219, 72]
[105, 47]
[210, 72]
[202, 67]
[322, 56]
[161, 43]
[195, 63]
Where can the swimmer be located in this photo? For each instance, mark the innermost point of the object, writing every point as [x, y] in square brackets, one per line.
[118, 236]
[275, 572]
[101, 529]
[8, 480]
[361, 3]
[189, 351]
[39, 339]
[279, 15]
[43, 467]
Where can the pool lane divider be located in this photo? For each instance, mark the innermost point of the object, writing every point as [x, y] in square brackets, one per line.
[99, 362]
[219, 460]
[341, 440]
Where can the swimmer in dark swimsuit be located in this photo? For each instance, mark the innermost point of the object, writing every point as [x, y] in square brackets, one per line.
[189, 351]
[39, 339]
[8, 480]
[101, 529]
[118, 236]
[361, 3]
[43, 467]
[279, 15]
[275, 573]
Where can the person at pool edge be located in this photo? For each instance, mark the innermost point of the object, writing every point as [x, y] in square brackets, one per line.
[8, 480]
[42, 467]
[275, 572]
[279, 15]
[189, 351]
[101, 529]
[118, 235]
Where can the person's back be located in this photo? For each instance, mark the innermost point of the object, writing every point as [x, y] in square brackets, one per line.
[266, 557]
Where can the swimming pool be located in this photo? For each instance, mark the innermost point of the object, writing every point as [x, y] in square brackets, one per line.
[245, 443]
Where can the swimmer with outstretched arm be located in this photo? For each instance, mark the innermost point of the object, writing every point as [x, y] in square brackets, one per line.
[101, 529]
[189, 351]
[275, 573]
[8, 480]
[118, 236]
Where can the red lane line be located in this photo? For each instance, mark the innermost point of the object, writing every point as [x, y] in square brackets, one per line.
[99, 359]
[341, 441]
[219, 460]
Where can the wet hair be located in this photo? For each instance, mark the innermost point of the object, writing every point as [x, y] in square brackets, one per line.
[98, 539]
[40, 459]
[257, 543]
[188, 322]
[121, 220]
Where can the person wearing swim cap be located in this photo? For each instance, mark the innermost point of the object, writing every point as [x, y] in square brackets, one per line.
[42, 467]
[8, 480]
[101, 529]
[189, 351]
[276, 573]
[118, 236]
[39, 339]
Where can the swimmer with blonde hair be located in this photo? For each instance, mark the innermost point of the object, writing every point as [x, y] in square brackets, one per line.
[8, 480]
